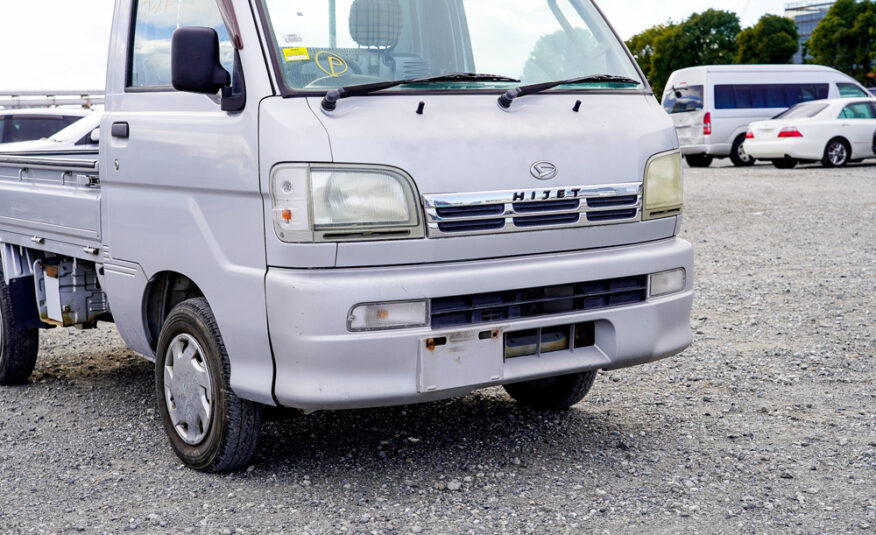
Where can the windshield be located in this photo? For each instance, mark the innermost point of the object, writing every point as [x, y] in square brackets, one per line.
[683, 99]
[327, 44]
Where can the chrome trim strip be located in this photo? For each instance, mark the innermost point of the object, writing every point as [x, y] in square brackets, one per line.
[509, 198]
[48, 163]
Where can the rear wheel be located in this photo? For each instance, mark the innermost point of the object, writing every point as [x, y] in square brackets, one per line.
[785, 163]
[210, 429]
[18, 347]
[738, 156]
[553, 393]
[699, 160]
[836, 154]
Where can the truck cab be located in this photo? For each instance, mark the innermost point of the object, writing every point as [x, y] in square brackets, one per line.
[336, 204]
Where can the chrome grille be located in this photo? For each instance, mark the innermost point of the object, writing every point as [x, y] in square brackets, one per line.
[535, 209]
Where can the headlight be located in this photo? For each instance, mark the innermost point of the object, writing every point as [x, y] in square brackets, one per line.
[664, 194]
[343, 203]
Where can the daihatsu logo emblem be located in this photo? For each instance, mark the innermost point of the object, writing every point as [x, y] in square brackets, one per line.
[543, 170]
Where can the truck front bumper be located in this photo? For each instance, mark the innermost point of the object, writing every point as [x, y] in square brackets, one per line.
[321, 365]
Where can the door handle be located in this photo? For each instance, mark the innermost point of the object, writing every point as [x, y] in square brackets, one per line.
[121, 130]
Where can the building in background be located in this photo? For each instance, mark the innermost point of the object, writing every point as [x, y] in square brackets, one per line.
[807, 14]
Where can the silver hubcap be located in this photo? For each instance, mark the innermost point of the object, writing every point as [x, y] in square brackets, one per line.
[837, 153]
[742, 154]
[188, 389]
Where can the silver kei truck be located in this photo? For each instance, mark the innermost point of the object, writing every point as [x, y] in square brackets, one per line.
[342, 204]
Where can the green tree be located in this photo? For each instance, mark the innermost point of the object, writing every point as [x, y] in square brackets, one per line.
[846, 38]
[642, 45]
[773, 40]
[559, 55]
[707, 38]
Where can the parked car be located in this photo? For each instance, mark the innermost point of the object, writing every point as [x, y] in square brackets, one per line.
[81, 137]
[834, 132]
[30, 124]
[712, 106]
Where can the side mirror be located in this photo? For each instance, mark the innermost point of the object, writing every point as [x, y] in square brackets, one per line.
[94, 136]
[195, 65]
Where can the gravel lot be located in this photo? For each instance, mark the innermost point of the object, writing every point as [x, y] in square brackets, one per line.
[766, 425]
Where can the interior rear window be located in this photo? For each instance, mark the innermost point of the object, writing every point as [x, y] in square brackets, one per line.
[31, 128]
[683, 99]
[805, 110]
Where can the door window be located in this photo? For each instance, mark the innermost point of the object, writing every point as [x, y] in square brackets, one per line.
[858, 110]
[851, 91]
[156, 20]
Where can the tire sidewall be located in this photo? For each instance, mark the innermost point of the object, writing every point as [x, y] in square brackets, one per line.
[186, 319]
[734, 153]
[831, 143]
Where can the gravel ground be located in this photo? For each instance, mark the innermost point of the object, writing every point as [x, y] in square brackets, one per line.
[765, 425]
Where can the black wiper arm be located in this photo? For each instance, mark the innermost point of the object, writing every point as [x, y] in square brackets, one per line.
[331, 99]
[509, 96]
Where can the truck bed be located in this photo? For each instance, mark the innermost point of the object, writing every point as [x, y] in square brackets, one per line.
[51, 203]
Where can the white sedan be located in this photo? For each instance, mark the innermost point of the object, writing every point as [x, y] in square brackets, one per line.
[834, 132]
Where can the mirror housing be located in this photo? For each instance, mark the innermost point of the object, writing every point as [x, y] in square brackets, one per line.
[195, 66]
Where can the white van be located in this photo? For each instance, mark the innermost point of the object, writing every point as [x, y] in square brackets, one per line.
[713, 105]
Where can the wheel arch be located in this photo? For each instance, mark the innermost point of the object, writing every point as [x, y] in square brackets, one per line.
[164, 291]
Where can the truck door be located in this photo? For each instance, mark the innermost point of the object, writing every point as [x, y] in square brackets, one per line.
[182, 179]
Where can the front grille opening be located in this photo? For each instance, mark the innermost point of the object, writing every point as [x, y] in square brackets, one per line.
[540, 342]
[612, 215]
[605, 202]
[546, 206]
[475, 210]
[546, 220]
[508, 305]
[471, 226]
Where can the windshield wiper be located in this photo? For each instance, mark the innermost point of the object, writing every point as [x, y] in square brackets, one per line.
[330, 102]
[509, 96]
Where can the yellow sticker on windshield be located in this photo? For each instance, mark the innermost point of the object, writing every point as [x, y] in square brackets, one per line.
[296, 54]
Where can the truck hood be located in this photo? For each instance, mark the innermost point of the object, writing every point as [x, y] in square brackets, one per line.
[468, 144]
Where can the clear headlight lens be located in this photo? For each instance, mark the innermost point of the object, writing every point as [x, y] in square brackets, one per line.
[664, 193]
[360, 197]
[343, 203]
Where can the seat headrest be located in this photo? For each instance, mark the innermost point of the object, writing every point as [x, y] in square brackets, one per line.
[376, 23]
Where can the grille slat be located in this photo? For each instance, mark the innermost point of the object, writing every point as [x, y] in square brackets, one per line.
[535, 302]
[471, 226]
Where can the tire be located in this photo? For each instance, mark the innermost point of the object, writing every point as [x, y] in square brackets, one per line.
[785, 163]
[195, 388]
[836, 153]
[699, 160]
[738, 155]
[554, 393]
[18, 347]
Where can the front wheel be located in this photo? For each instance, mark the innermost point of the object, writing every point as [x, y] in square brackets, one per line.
[553, 393]
[836, 154]
[18, 347]
[699, 160]
[785, 163]
[738, 156]
[210, 429]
